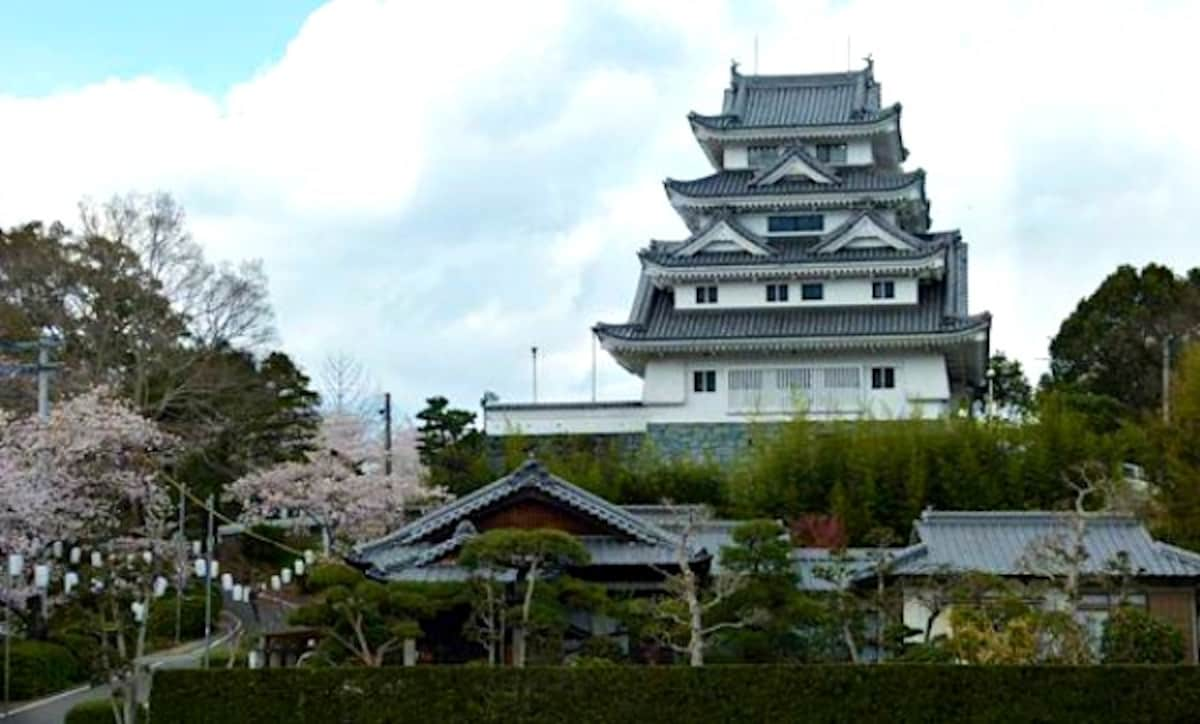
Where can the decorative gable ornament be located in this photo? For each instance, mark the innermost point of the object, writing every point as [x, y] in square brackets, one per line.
[868, 230]
[725, 234]
[792, 164]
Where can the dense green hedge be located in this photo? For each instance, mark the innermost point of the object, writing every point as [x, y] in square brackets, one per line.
[162, 614]
[98, 711]
[894, 693]
[40, 668]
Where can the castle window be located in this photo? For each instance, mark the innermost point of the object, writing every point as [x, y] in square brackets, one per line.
[706, 295]
[883, 290]
[831, 152]
[777, 292]
[812, 292]
[704, 381]
[761, 156]
[795, 223]
[883, 378]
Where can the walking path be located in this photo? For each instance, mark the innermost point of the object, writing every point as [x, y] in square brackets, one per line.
[53, 709]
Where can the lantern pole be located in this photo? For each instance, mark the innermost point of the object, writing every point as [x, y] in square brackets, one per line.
[7, 633]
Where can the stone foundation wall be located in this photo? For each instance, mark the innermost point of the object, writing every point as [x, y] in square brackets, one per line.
[720, 442]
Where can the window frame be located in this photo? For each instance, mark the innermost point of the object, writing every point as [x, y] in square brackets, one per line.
[704, 381]
[806, 291]
[813, 224]
[777, 292]
[883, 377]
[821, 152]
[706, 294]
[883, 289]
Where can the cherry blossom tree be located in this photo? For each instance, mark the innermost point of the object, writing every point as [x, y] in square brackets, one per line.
[89, 475]
[341, 486]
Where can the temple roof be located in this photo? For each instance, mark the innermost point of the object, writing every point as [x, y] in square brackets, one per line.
[742, 183]
[664, 323]
[766, 101]
[424, 550]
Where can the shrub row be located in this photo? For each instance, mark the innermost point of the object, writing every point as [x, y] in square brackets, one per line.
[39, 668]
[893, 693]
[98, 711]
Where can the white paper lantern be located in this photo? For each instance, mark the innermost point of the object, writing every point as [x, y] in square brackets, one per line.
[216, 569]
[226, 582]
[239, 593]
[299, 567]
[16, 565]
[97, 585]
[139, 610]
[70, 581]
[76, 555]
[148, 557]
[41, 576]
[56, 549]
[160, 587]
[276, 584]
[199, 567]
[286, 576]
[310, 557]
[254, 661]
[97, 559]
[195, 547]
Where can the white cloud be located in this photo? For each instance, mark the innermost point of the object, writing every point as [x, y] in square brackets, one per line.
[436, 187]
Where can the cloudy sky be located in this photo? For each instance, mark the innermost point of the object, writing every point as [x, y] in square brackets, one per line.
[435, 187]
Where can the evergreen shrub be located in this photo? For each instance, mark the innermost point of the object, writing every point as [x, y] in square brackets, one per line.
[601, 695]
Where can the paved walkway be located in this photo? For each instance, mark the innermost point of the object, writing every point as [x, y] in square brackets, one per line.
[53, 709]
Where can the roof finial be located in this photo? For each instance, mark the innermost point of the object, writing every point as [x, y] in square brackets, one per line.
[870, 61]
[733, 68]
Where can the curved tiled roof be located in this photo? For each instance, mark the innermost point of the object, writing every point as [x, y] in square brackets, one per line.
[666, 323]
[767, 101]
[740, 183]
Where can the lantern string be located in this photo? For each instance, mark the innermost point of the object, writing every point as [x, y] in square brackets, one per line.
[224, 518]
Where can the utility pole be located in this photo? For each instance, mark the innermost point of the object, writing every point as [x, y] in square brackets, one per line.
[42, 369]
[1166, 378]
[387, 433]
[181, 571]
[533, 353]
[208, 564]
[594, 369]
[7, 635]
[43, 377]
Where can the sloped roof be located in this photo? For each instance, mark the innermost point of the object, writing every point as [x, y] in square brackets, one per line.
[756, 243]
[741, 183]
[798, 250]
[1003, 543]
[773, 174]
[666, 323]
[837, 235]
[417, 551]
[766, 101]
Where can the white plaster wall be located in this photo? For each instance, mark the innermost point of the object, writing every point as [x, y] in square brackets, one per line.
[838, 292]
[922, 388]
[736, 157]
[551, 420]
[858, 152]
[664, 382]
[833, 219]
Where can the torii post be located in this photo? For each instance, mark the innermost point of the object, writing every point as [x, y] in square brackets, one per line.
[43, 368]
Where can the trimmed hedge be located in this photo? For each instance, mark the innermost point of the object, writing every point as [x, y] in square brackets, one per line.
[890, 693]
[98, 711]
[162, 614]
[40, 668]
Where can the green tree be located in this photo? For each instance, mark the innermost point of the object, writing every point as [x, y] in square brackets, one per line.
[532, 555]
[1010, 388]
[451, 448]
[1110, 346]
[1180, 491]
[1132, 636]
[371, 621]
